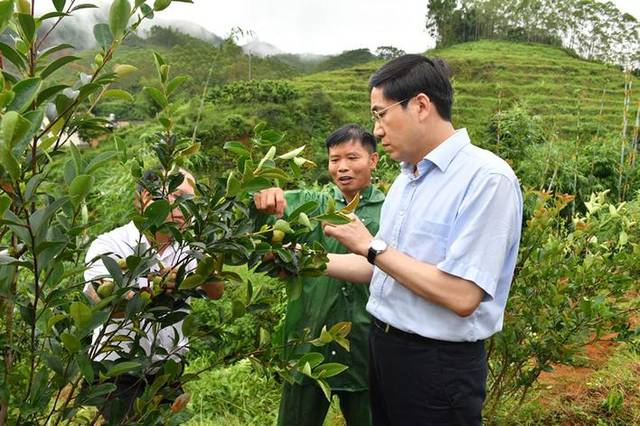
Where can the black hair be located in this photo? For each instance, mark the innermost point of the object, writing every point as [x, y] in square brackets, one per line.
[352, 132]
[406, 76]
[151, 179]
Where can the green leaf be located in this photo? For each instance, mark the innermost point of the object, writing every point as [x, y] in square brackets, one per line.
[103, 35]
[283, 225]
[119, 15]
[159, 5]
[59, 4]
[10, 163]
[326, 389]
[32, 186]
[123, 70]
[99, 160]
[335, 218]
[118, 94]
[352, 206]
[307, 208]
[233, 186]
[237, 148]
[341, 329]
[54, 49]
[157, 212]
[70, 342]
[80, 188]
[27, 25]
[13, 55]
[257, 184]
[157, 96]
[265, 337]
[123, 367]
[291, 154]
[175, 83]
[14, 128]
[113, 268]
[6, 97]
[6, 12]
[84, 6]
[273, 173]
[312, 358]
[294, 288]
[324, 338]
[47, 93]
[51, 15]
[192, 281]
[57, 64]
[55, 319]
[26, 92]
[303, 220]
[329, 369]
[237, 308]
[80, 313]
[86, 367]
[5, 202]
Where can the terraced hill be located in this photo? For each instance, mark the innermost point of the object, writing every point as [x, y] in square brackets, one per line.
[572, 95]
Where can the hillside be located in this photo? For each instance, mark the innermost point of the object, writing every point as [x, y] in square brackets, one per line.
[569, 93]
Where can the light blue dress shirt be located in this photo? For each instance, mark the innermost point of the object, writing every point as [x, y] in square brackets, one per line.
[462, 212]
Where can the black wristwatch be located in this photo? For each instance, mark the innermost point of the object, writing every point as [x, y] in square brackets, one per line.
[375, 248]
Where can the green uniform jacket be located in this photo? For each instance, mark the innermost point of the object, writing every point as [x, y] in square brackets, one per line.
[326, 301]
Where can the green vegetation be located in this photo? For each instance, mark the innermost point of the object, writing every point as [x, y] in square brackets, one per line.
[556, 118]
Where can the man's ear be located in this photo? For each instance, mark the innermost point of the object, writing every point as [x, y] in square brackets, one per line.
[373, 158]
[424, 105]
[142, 200]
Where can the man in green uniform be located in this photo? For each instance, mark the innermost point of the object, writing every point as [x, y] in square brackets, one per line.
[327, 301]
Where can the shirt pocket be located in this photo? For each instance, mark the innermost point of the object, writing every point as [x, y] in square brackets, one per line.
[427, 242]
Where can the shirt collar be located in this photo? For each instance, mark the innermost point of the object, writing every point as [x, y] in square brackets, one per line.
[370, 194]
[442, 155]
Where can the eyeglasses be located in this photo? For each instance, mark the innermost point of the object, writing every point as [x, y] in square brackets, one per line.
[376, 115]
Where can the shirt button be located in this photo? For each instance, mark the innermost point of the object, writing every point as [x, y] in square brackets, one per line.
[333, 353]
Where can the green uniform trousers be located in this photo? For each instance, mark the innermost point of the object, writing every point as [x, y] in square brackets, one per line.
[306, 405]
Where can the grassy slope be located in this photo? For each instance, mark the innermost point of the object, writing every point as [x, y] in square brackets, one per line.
[490, 75]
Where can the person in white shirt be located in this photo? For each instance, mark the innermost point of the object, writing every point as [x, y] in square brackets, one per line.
[159, 343]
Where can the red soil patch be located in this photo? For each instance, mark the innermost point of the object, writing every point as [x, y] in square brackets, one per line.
[570, 382]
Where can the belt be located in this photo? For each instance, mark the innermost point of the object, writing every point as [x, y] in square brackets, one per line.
[389, 329]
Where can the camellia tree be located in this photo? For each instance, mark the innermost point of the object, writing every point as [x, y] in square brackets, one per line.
[50, 370]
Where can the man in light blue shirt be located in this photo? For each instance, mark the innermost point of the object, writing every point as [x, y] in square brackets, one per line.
[443, 258]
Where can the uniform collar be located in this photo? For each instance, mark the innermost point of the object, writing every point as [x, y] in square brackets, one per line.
[370, 195]
[442, 155]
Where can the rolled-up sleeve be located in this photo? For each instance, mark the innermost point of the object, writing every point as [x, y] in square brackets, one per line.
[485, 231]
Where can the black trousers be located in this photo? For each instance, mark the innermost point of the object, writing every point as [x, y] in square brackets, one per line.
[414, 380]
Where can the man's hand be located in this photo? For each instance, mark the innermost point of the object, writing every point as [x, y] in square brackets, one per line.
[354, 236]
[270, 201]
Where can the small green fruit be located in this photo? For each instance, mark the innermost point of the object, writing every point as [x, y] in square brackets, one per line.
[122, 263]
[106, 289]
[277, 236]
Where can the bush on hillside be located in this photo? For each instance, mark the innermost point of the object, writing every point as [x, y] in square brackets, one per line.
[253, 91]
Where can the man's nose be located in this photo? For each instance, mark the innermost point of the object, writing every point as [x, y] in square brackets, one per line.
[343, 166]
[378, 131]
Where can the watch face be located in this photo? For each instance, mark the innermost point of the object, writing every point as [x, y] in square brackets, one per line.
[378, 245]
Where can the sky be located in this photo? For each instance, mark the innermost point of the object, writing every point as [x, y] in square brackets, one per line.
[327, 26]
[322, 27]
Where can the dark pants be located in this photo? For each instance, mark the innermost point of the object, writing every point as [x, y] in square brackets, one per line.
[306, 405]
[418, 381]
